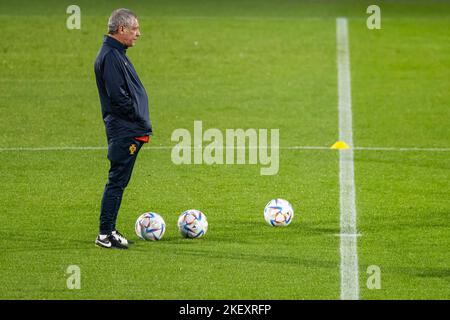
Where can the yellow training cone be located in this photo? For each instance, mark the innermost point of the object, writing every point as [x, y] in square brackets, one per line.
[340, 145]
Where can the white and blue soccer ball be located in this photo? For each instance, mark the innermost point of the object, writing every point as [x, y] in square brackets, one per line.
[150, 226]
[278, 213]
[192, 224]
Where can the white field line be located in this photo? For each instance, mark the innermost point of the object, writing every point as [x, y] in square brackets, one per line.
[348, 240]
[402, 149]
[37, 149]
[244, 18]
[150, 147]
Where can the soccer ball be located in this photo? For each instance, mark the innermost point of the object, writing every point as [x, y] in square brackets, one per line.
[150, 226]
[192, 224]
[278, 213]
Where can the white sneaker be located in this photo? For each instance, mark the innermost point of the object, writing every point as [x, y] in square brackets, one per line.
[103, 242]
[119, 237]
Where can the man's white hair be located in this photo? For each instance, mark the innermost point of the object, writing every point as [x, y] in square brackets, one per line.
[120, 17]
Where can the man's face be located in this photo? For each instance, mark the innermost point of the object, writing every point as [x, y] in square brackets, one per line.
[129, 35]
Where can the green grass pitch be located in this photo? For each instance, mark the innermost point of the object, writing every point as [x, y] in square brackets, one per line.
[231, 64]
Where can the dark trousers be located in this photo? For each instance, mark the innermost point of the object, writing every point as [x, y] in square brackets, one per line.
[122, 155]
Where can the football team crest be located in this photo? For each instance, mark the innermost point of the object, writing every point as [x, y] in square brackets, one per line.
[133, 149]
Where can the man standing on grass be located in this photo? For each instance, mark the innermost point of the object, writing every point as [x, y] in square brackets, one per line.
[125, 114]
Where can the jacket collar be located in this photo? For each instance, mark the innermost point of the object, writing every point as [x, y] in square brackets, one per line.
[110, 41]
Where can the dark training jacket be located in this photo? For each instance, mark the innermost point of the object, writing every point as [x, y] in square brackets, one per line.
[122, 96]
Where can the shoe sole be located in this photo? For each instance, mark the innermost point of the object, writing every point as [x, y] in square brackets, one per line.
[112, 247]
[101, 246]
